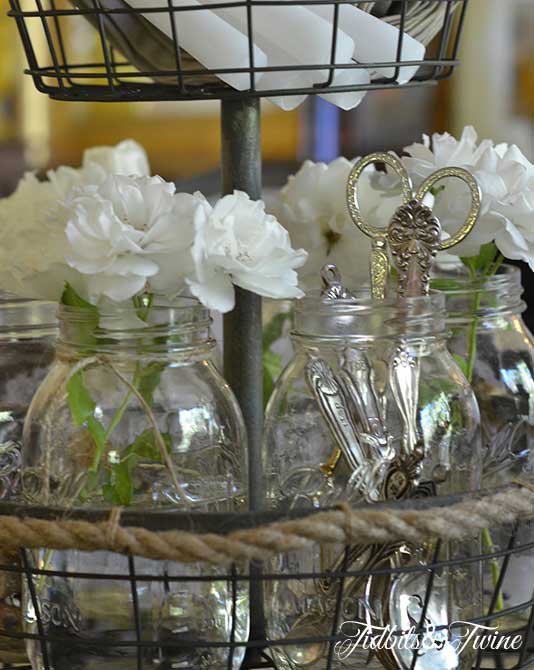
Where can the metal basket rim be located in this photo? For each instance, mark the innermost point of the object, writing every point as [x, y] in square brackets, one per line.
[223, 523]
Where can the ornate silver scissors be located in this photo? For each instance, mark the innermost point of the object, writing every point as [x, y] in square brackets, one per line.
[414, 233]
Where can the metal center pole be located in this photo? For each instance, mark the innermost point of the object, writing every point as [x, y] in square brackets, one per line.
[241, 170]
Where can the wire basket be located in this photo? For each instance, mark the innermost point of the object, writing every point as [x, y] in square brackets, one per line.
[224, 537]
[134, 60]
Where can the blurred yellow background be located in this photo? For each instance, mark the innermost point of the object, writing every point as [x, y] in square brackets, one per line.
[181, 138]
[492, 89]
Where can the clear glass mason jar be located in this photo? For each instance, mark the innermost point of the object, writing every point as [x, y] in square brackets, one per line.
[28, 330]
[376, 381]
[134, 413]
[493, 345]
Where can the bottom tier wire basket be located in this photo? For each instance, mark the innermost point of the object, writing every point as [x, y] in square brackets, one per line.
[162, 562]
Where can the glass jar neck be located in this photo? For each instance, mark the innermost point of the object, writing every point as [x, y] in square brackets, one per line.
[26, 319]
[159, 329]
[365, 319]
[490, 298]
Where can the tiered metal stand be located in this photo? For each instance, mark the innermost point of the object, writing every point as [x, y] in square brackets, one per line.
[60, 74]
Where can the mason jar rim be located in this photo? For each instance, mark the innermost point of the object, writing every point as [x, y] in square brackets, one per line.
[11, 298]
[181, 304]
[182, 323]
[26, 318]
[507, 276]
[364, 301]
[369, 318]
[487, 298]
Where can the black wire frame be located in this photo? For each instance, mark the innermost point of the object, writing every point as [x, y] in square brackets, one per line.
[138, 648]
[59, 71]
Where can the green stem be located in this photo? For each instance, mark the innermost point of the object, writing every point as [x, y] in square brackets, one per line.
[143, 305]
[498, 261]
[116, 419]
[472, 338]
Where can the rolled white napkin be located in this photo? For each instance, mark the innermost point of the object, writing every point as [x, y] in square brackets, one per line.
[301, 36]
[375, 40]
[211, 41]
[348, 77]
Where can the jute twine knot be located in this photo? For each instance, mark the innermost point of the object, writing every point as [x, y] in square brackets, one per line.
[342, 525]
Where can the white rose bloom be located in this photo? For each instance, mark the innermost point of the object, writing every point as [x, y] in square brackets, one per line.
[117, 231]
[32, 242]
[127, 159]
[169, 243]
[506, 180]
[237, 243]
[313, 208]
[443, 150]
[32, 221]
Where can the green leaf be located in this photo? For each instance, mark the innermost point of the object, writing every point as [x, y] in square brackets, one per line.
[149, 381]
[90, 485]
[98, 432]
[482, 262]
[119, 489]
[272, 362]
[461, 362]
[146, 447]
[81, 404]
[84, 330]
[82, 408]
[71, 297]
[274, 329]
[142, 304]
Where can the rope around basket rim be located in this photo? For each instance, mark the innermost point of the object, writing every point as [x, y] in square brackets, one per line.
[343, 525]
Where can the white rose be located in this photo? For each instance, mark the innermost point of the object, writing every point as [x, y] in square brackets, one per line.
[128, 158]
[313, 208]
[506, 180]
[443, 150]
[32, 221]
[170, 241]
[116, 232]
[238, 243]
[32, 242]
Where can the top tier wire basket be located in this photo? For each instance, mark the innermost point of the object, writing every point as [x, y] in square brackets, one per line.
[136, 61]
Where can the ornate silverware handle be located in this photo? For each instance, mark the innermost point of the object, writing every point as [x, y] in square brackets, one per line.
[333, 406]
[357, 376]
[404, 371]
[414, 233]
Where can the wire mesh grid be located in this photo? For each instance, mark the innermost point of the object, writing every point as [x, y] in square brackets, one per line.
[133, 60]
[60, 643]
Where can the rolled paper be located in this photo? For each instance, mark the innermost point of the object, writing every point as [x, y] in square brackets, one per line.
[348, 77]
[208, 38]
[375, 41]
[301, 36]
